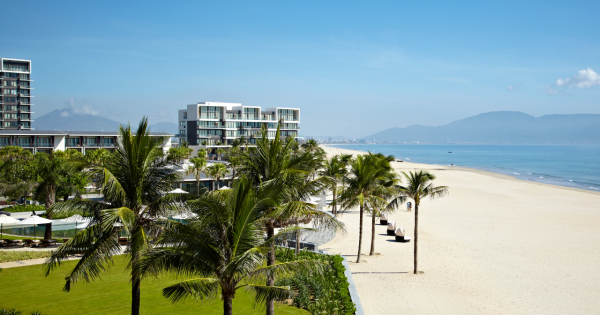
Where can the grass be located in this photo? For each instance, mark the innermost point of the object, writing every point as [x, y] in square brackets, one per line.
[26, 289]
[7, 256]
[11, 237]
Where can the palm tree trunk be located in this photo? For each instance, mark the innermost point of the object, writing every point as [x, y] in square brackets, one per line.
[297, 239]
[135, 296]
[360, 233]
[334, 210]
[372, 235]
[227, 305]
[416, 233]
[197, 185]
[49, 202]
[270, 262]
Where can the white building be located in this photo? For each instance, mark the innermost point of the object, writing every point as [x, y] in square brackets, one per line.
[214, 124]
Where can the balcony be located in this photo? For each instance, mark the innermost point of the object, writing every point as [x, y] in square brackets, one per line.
[24, 95]
[24, 87]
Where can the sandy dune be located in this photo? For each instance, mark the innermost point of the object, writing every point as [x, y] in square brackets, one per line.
[495, 245]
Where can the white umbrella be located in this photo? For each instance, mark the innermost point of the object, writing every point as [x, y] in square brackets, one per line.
[4, 219]
[89, 187]
[224, 187]
[35, 221]
[178, 191]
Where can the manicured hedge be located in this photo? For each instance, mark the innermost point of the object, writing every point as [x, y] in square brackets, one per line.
[324, 294]
[7, 256]
[24, 208]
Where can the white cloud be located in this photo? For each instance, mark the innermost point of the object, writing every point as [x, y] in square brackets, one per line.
[584, 79]
[512, 87]
[79, 107]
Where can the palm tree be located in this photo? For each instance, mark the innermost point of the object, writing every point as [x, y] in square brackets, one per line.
[197, 166]
[386, 190]
[345, 158]
[363, 187]
[220, 152]
[235, 160]
[273, 163]
[216, 171]
[135, 185]
[222, 249]
[336, 171]
[310, 145]
[419, 186]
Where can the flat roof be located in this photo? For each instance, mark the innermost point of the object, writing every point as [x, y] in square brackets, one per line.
[69, 133]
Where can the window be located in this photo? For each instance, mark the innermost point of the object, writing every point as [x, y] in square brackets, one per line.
[108, 142]
[4, 141]
[182, 123]
[73, 142]
[10, 124]
[181, 132]
[24, 142]
[10, 116]
[208, 133]
[210, 124]
[10, 92]
[10, 83]
[90, 141]
[24, 117]
[16, 67]
[25, 125]
[10, 99]
[184, 115]
[43, 142]
[210, 112]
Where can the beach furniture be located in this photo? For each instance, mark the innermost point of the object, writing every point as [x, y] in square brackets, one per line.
[391, 228]
[123, 241]
[401, 236]
[7, 242]
[46, 242]
[28, 242]
[383, 219]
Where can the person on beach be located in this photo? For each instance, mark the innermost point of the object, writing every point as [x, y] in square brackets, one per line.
[408, 206]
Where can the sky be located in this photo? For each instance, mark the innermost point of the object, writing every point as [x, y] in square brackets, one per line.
[353, 67]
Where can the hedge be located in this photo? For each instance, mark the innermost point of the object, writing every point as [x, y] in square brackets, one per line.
[322, 294]
[8, 256]
[24, 208]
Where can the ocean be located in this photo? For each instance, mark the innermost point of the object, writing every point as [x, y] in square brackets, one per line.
[570, 166]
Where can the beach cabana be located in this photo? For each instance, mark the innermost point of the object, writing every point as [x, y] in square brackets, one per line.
[383, 220]
[4, 219]
[35, 221]
[401, 236]
[391, 228]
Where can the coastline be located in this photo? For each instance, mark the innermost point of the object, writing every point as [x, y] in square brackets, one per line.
[495, 244]
[475, 170]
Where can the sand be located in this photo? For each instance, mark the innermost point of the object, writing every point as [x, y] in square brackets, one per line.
[494, 245]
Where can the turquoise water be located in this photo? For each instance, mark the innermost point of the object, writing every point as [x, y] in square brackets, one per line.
[571, 166]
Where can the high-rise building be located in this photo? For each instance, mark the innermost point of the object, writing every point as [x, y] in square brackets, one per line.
[15, 91]
[214, 124]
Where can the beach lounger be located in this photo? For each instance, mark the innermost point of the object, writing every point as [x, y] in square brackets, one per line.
[383, 219]
[123, 241]
[401, 236]
[391, 228]
[46, 243]
[8, 242]
[28, 242]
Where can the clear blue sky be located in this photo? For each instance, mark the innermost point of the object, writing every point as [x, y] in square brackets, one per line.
[353, 67]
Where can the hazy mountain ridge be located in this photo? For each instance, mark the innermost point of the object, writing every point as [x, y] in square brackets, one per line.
[63, 119]
[503, 127]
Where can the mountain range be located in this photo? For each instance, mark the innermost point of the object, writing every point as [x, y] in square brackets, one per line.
[64, 119]
[504, 127]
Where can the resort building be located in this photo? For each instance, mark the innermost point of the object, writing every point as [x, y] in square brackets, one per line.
[216, 124]
[82, 141]
[15, 94]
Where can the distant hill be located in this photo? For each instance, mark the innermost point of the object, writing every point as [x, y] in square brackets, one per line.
[164, 126]
[503, 127]
[64, 119]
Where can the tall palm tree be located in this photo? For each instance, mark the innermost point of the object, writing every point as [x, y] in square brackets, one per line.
[220, 152]
[216, 171]
[310, 145]
[197, 167]
[362, 188]
[273, 163]
[336, 171]
[135, 185]
[223, 249]
[419, 185]
[345, 158]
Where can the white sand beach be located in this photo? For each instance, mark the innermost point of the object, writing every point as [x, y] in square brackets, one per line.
[494, 245]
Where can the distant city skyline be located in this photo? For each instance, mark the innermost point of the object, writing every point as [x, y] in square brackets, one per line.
[352, 68]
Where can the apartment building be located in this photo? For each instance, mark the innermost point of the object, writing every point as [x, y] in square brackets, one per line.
[15, 94]
[82, 141]
[214, 124]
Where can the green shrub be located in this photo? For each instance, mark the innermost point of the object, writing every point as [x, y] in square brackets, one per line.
[323, 294]
[8, 256]
[16, 312]
[24, 208]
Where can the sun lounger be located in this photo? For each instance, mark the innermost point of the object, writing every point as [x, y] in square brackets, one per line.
[401, 236]
[46, 243]
[391, 228]
[383, 219]
[28, 242]
[7, 242]
[123, 241]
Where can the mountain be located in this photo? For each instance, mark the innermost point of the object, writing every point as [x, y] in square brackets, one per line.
[165, 126]
[65, 119]
[502, 127]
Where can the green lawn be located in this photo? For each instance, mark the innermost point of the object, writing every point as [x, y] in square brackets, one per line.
[26, 289]
[10, 237]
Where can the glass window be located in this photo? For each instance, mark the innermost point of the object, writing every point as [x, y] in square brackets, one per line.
[184, 115]
[73, 142]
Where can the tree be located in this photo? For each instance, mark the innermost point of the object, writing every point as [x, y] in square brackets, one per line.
[135, 185]
[419, 185]
[197, 166]
[310, 145]
[220, 152]
[336, 171]
[222, 249]
[363, 185]
[216, 171]
[97, 157]
[17, 172]
[202, 153]
[273, 163]
[235, 160]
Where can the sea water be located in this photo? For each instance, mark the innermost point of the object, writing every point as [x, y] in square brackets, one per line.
[571, 166]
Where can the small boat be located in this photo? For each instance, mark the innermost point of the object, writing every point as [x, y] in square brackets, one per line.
[449, 151]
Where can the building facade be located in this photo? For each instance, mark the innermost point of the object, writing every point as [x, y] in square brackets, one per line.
[214, 124]
[82, 141]
[15, 94]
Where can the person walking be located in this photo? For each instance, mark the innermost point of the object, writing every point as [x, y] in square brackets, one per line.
[408, 206]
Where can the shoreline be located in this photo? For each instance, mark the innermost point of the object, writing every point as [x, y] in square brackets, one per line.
[476, 170]
[495, 245]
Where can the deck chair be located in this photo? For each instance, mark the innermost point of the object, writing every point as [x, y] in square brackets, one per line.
[391, 228]
[401, 236]
[383, 220]
[46, 243]
[28, 242]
